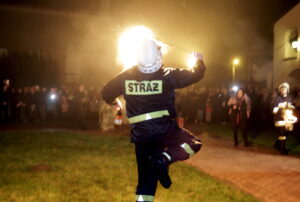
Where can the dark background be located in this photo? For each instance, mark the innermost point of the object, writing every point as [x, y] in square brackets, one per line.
[39, 35]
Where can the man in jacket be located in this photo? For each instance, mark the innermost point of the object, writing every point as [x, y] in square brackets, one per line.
[149, 91]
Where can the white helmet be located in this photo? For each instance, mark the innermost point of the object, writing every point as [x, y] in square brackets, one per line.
[284, 85]
[150, 57]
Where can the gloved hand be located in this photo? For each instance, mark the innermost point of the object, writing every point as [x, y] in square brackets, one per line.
[117, 104]
[198, 56]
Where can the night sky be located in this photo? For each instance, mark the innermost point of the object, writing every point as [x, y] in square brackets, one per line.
[263, 13]
[220, 29]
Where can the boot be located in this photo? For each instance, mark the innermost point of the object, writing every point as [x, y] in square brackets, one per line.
[283, 150]
[161, 166]
[276, 145]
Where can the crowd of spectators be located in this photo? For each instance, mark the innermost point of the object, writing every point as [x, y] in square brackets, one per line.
[33, 104]
[199, 105]
[77, 104]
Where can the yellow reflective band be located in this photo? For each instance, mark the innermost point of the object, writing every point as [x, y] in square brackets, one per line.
[282, 138]
[188, 149]
[148, 116]
[144, 198]
[279, 123]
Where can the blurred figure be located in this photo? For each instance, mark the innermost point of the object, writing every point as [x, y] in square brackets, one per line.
[209, 106]
[13, 107]
[42, 99]
[255, 110]
[239, 111]
[33, 105]
[5, 102]
[217, 105]
[224, 107]
[20, 107]
[81, 106]
[192, 105]
[52, 105]
[70, 93]
[6, 82]
[265, 103]
[93, 105]
[25, 99]
[282, 104]
[297, 100]
[65, 107]
[208, 110]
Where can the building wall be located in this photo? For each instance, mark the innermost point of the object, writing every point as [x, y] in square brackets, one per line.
[81, 43]
[285, 58]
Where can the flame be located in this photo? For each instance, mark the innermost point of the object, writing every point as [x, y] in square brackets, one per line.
[129, 43]
[191, 61]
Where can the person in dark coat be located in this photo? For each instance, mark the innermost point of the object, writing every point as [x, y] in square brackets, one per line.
[239, 111]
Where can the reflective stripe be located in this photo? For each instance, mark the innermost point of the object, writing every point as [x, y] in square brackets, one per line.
[279, 123]
[282, 138]
[144, 198]
[275, 110]
[188, 149]
[167, 155]
[148, 116]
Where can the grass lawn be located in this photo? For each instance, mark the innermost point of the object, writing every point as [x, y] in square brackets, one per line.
[67, 166]
[264, 138]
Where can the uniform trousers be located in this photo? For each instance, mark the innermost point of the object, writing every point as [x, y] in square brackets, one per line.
[178, 146]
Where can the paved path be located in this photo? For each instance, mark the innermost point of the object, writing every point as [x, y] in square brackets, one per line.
[266, 175]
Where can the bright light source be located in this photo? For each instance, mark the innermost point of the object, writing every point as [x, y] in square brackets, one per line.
[129, 43]
[191, 61]
[296, 45]
[164, 47]
[236, 61]
[52, 96]
[235, 88]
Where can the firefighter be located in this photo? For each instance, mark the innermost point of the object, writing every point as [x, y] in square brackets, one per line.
[149, 91]
[283, 105]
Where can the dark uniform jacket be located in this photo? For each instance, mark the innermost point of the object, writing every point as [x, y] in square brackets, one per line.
[146, 93]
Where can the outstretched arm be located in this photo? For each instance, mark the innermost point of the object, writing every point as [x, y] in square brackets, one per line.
[184, 77]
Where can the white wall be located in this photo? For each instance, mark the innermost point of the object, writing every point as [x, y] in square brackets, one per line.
[286, 59]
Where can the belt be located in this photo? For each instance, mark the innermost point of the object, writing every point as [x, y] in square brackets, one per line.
[282, 138]
[148, 116]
